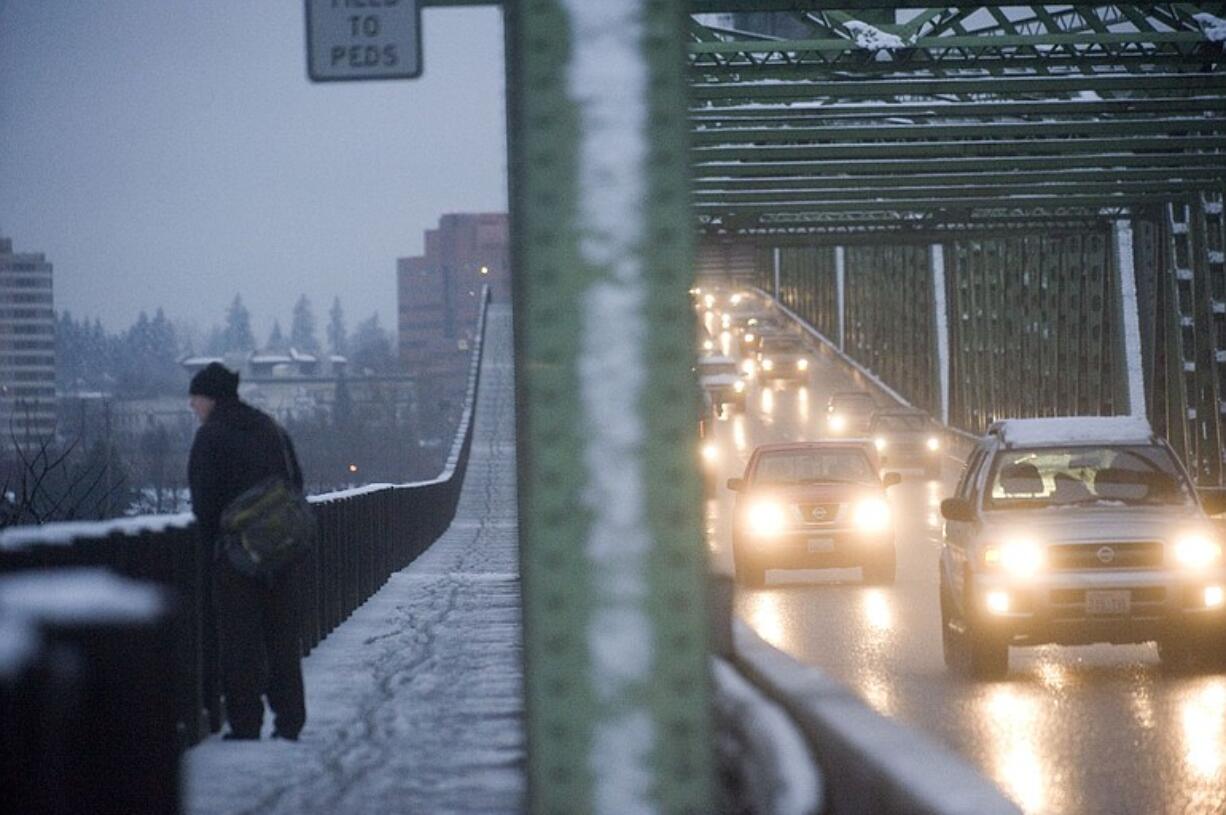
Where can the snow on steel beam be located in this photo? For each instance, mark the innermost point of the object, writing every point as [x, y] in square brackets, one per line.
[968, 147]
[616, 666]
[849, 88]
[944, 163]
[1118, 127]
[935, 181]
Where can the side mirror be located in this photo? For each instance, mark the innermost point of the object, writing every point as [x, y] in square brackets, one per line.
[1213, 500]
[890, 479]
[736, 484]
[957, 509]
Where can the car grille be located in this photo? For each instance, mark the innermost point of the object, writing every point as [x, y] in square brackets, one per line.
[1105, 555]
[817, 513]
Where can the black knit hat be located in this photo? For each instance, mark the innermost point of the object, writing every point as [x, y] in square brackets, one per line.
[216, 381]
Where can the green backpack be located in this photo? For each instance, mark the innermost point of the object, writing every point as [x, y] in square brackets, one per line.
[269, 526]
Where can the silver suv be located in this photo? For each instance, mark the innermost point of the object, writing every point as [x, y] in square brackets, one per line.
[1076, 531]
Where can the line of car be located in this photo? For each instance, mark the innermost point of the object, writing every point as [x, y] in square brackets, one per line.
[1061, 530]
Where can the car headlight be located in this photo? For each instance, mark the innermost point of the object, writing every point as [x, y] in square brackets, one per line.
[934, 443]
[1020, 556]
[871, 515]
[710, 453]
[768, 364]
[738, 386]
[709, 300]
[747, 367]
[1196, 550]
[725, 320]
[879, 443]
[765, 519]
[736, 299]
[708, 345]
[749, 337]
[837, 423]
[802, 364]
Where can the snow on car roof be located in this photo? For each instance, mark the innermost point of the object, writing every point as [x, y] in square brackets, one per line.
[1076, 430]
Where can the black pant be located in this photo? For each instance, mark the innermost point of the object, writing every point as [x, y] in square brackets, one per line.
[261, 649]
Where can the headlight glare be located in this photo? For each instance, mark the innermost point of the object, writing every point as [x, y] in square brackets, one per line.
[802, 364]
[934, 443]
[738, 386]
[710, 453]
[765, 519]
[1020, 556]
[768, 364]
[879, 443]
[1197, 551]
[871, 515]
[749, 337]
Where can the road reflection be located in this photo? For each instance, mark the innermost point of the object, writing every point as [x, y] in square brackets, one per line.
[1203, 718]
[763, 612]
[1014, 748]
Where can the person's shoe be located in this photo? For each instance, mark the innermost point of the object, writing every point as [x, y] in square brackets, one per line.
[277, 734]
[232, 736]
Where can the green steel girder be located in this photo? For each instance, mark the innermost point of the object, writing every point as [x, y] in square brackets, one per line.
[903, 167]
[1172, 128]
[853, 88]
[616, 681]
[939, 196]
[1041, 109]
[938, 182]
[850, 235]
[967, 147]
[892, 216]
[810, 211]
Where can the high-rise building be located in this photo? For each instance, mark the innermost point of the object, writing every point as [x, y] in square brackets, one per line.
[438, 295]
[27, 346]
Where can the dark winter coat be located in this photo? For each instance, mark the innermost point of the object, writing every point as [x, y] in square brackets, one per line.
[236, 447]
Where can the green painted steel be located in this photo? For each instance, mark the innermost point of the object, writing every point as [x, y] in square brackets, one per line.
[1032, 326]
[648, 724]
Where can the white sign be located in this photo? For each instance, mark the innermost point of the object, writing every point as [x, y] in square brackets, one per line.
[363, 39]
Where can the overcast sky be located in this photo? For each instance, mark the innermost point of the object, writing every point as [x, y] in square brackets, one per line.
[173, 153]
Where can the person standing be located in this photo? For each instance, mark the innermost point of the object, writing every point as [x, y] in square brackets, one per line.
[237, 446]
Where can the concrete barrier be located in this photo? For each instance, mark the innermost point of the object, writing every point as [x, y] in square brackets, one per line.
[870, 764]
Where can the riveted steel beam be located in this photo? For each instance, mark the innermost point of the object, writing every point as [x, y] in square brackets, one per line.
[732, 199]
[792, 115]
[954, 164]
[612, 559]
[990, 85]
[935, 131]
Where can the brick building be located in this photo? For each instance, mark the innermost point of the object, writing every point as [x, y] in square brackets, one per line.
[438, 305]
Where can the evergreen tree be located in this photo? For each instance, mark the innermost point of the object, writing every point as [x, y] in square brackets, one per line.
[215, 345]
[372, 347]
[238, 335]
[302, 329]
[276, 340]
[338, 337]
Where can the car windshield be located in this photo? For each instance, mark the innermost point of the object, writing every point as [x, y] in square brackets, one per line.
[782, 346]
[900, 423]
[1086, 476]
[855, 403]
[812, 466]
[717, 369]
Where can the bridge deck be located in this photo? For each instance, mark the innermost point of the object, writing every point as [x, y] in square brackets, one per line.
[415, 703]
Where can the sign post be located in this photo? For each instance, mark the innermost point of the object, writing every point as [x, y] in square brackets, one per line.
[363, 39]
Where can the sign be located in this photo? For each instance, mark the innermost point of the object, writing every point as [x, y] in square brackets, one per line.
[363, 39]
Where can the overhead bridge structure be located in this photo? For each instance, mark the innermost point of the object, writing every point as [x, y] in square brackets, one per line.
[1022, 165]
[1000, 210]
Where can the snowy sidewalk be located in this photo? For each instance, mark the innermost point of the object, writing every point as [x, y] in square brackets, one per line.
[415, 703]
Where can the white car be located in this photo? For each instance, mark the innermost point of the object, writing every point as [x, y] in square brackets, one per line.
[1078, 531]
[721, 381]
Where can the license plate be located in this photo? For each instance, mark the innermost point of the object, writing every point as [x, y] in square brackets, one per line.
[821, 545]
[1108, 602]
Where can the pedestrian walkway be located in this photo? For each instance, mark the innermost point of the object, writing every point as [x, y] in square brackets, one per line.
[414, 704]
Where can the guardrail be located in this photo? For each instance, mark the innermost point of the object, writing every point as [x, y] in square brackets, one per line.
[366, 534]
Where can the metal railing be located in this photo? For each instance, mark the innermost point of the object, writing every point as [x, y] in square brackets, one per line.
[366, 534]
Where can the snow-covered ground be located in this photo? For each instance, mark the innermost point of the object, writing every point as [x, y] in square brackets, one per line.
[414, 704]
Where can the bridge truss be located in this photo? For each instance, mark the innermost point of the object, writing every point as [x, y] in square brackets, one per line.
[1048, 152]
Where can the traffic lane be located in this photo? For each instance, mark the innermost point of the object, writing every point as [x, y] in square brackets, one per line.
[1086, 729]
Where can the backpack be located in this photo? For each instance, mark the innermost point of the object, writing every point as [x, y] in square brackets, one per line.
[269, 526]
